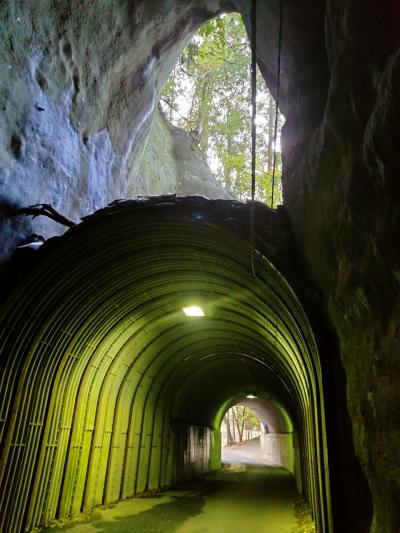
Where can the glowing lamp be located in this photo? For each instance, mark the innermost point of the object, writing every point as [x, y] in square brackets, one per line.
[193, 310]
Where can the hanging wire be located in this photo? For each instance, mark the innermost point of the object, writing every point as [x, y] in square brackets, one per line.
[253, 95]
[278, 83]
[253, 43]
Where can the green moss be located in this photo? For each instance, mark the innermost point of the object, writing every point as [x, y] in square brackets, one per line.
[157, 170]
[215, 450]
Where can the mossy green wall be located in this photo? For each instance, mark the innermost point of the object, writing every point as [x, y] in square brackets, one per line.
[215, 450]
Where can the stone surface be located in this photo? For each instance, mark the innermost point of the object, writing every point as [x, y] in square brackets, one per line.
[172, 163]
[341, 189]
[82, 82]
[193, 173]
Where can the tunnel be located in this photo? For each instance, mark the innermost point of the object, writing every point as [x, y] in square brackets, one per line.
[278, 440]
[111, 390]
[108, 389]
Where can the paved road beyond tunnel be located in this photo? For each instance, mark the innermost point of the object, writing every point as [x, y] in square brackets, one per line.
[245, 498]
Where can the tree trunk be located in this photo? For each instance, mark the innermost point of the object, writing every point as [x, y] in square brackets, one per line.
[229, 437]
[199, 129]
[244, 409]
[233, 425]
[239, 425]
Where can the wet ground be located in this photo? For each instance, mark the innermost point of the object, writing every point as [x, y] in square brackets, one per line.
[248, 498]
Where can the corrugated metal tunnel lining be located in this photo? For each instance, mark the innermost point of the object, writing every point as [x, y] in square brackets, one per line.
[104, 377]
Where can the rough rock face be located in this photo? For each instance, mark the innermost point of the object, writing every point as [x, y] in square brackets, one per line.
[82, 83]
[342, 191]
[172, 163]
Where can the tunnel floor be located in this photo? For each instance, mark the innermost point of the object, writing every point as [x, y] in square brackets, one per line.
[239, 497]
[248, 453]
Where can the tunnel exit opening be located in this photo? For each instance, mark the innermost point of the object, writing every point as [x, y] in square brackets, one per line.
[240, 436]
[258, 430]
[239, 425]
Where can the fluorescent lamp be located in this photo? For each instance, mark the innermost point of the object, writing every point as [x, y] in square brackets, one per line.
[193, 310]
[251, 397]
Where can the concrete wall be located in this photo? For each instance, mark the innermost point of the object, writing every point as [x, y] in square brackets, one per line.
[278, 448]
[196, 447]
[282, 449]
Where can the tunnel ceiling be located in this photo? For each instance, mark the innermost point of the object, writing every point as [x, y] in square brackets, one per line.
[96, 340]
[118, 283]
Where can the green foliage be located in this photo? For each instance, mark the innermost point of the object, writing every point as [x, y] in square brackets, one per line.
[209, 94]
[246, 416]
[241, 423]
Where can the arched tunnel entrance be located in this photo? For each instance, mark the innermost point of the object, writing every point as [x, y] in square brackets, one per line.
[274, 440]
[111, 390]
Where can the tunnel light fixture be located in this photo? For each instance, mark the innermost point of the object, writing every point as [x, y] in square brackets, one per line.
[193, 310]
[251, 396]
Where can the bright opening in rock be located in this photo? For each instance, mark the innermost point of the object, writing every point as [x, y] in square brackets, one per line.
[205, 115]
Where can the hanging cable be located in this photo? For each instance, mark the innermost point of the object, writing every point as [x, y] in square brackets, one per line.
[253, 95]
[253, 43]
[278, 83]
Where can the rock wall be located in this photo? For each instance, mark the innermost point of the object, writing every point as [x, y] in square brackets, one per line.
[80, 83]
[339, 93]
[172, 163]
[341, 187]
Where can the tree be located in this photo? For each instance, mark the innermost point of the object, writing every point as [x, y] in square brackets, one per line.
[229, 437]
[209, 95]
[238, 419]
